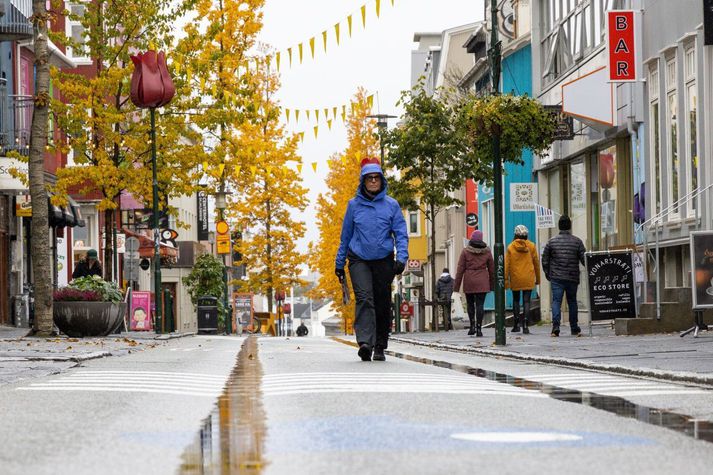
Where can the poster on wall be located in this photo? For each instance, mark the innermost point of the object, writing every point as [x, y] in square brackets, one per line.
[523, 196]
[610, 278]
[203, 218]
[140, 311]
[702, 269]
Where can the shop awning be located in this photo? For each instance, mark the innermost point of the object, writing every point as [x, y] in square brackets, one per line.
[146, 245]
[591, 98]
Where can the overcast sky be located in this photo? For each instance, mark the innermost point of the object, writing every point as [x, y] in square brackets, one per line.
[376, 58]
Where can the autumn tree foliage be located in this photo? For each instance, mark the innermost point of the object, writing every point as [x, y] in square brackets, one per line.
[269, 192]
[342, 182]
[106, 135]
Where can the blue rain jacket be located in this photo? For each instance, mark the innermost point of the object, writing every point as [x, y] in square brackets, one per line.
[372, 228]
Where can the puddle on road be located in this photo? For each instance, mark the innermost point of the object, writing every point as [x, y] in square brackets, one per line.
[231, 439]
[702, 430]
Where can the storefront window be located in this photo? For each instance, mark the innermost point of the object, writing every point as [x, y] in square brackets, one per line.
[608, 196]
[692, 123]
[578, 201]
[673, 164]
[656, 190]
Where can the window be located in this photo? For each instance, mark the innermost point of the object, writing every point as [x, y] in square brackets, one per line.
[672, 159]
[75, 30]
[414, 228]
[654, 113]
[691, 123]
[608, 196]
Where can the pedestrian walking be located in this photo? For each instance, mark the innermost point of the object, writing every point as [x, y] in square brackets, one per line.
[560, 262]
[302, 330]
[373, 225]
[522, 274]
[444, 292]
[476, 271]
[90, 265]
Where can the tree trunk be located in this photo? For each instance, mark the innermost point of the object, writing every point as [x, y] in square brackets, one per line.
[108, 245]
[40, 242]
[432, 259]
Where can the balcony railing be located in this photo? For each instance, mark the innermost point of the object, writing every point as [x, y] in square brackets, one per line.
[15, 121]
[15, 20]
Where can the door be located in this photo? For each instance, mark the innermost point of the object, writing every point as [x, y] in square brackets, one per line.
[169, 322]
[4, 261]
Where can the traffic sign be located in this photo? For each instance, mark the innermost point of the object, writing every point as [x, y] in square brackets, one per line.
[406, 309]
[131, 255]
[131, 244]
[413, 265]
[145, 264]
[471, 219]
[221, 227]
[223, 243]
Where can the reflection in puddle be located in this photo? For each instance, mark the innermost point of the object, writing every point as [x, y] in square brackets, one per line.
[687, 425]
[231, 439]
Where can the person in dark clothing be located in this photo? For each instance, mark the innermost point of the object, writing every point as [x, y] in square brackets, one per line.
[373, 225]
[476, 271]
[88, 266]
[302, 329]
[560, 262]
[444, 292]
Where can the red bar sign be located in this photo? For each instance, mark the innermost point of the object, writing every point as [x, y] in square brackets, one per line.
[621, 43]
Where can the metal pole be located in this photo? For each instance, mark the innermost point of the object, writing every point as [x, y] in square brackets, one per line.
[156, 233]
[498, 188]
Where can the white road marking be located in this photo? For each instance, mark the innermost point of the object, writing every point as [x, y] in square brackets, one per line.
[614, 385]
[516, 437]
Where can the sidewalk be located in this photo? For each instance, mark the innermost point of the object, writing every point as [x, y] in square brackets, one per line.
[24, 357]
[663, 356]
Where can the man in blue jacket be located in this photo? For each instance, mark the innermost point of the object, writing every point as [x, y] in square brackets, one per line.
[373, 225]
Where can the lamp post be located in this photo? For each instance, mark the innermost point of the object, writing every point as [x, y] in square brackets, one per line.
[221, 204]
[382, 123]
[498, 247]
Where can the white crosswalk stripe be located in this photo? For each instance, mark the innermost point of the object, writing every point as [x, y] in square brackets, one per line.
[321, 383]
[613, 385]
[157, 382]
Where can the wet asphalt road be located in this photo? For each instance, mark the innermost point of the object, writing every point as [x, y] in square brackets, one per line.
[293, 406]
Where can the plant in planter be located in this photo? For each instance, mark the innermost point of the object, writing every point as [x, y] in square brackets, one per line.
[88, 306]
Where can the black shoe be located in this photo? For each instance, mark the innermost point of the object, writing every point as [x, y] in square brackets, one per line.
[379, 354]
[576, 331]
[515, 329]
[555, 331]
[525, 331]
[477, 331]
[472, 329]
[365, 352]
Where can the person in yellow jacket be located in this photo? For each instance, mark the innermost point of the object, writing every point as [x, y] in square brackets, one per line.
[522, 274]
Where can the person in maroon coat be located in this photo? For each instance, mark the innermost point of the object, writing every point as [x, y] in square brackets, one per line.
[476, 271]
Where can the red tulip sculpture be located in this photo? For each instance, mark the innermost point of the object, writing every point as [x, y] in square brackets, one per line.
[151, 83]
[606, 170]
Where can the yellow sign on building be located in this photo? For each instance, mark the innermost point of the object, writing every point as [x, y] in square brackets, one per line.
[223, 243]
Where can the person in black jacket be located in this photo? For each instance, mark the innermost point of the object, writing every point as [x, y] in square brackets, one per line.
[560, 262]
[88, 266]
[444, 291]
[302, 329]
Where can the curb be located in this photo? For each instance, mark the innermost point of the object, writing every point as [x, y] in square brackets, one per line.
[173, 336]
[681, 377]
[76, 359]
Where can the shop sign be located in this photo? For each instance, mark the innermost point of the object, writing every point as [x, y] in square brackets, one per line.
[564, 129]
[610, 278]
[523, 196]
[413, 265]
[702, 269]
[243, 308]
[545, 217]
[7, 181]
[23, 206]
[621, 45]
[406, 309]
[203, 231]
[140, 311]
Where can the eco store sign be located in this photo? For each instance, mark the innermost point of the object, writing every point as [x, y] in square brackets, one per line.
[610, 278]
[7, 181]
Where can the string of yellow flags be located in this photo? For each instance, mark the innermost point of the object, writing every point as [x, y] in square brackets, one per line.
[297, 52]
[341, 110]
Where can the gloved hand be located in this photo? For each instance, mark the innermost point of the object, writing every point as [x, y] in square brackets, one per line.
[340, 274]
[399, 267]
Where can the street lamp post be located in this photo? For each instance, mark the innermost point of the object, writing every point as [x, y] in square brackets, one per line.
[498, 247]
[221, 205]
[156, 230]
[382, 123]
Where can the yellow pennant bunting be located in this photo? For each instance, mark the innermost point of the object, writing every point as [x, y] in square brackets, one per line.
[299, 168]
[221, 167]
[378, 8]
[329, 124]
[253, 169]
[334, 112]
[316, 130]
[311, 46]
[300, 48]
[289, 53]
[297, 115]
[326, 112]
[277, 60]
[316, 115]
[336, 32]
[307, 112]
[363, 16]
[302, 136]
[349, 22]
[370, 101]
[314, 166]
[287, 114]
[392, 3]
[344, 113]
[324, 40]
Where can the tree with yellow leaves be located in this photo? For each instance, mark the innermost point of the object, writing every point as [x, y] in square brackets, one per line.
[106, 135]
[342, 182]
[269, 194]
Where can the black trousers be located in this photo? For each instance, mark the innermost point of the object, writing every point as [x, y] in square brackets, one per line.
[371, 281]
[475, 304]
[526, 294]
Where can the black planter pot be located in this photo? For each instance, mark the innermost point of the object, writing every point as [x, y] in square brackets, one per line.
[79, 319]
